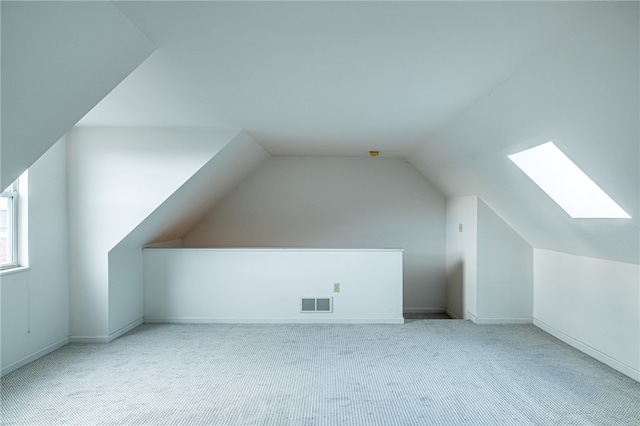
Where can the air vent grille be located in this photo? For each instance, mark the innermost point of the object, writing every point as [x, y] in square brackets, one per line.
[316, 304]
[323, 305]
[308, 305]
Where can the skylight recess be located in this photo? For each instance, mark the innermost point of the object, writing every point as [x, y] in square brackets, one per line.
[566, 184]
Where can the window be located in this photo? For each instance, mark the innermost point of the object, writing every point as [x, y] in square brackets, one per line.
[9, 226]
[566, 184]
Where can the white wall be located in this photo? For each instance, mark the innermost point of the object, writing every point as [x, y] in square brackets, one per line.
[505, 271]
[319, 202]
[178, 213]
[489, 266]
[59, 59]
[244, 285]
[125, 289]
[117, 177]
[592, 304]
[462, 256]
[35, 301]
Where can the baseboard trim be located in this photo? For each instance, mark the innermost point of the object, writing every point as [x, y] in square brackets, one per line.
[471, 317]
[589, 350]
[89, 339]
[127, 328]
[34, 356]
[424, 310]
[491, 321]
[199, 320]
[107, 338]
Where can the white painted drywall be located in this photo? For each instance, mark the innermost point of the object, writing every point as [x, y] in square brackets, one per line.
[117, 177]
[325, 202]
[580, 91]
[244, 285]
[489, 266]
[462, 256]
[35, 301]
[178, 213]
[59, 59]
[592, 304]
[505, 271]
[125, 289]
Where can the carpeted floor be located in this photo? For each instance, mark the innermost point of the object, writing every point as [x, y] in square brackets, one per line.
[420, 373]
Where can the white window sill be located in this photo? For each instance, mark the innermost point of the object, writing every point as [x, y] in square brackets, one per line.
[15, 270]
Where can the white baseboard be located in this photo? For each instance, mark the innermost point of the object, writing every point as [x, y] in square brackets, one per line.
[589, 350]
[489, 321]
[107, 338]
[199, 320]
[424, 310]
[470, 316]
[89, 339]
[124, 330]
[30, 358]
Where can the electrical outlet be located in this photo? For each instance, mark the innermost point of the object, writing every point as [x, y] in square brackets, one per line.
[336, 287]
[459, 227]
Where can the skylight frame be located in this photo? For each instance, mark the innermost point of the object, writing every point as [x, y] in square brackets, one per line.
[566, 184]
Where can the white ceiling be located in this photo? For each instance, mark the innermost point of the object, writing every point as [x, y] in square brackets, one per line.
[327, 78]
[453, 87]
[51, 76]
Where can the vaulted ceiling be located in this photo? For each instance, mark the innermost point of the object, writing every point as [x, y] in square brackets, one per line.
[329, 78]
[452, 87]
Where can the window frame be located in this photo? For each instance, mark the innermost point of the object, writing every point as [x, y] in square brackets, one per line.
[13, 204]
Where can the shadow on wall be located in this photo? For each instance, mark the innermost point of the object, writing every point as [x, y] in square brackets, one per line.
[455, 290]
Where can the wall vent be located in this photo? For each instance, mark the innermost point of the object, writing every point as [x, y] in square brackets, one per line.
[316, 304]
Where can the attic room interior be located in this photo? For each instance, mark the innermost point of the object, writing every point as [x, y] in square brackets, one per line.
[217, 166]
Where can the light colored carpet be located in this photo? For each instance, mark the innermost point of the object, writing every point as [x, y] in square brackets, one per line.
[420, 373]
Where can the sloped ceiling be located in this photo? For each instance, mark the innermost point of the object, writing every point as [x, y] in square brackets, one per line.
[583, 94]
[59, 59]
[453, 87]
[327, 78]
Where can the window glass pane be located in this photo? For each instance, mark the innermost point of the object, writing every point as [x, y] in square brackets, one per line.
[9, 200]
[6, 228]
[566, 183]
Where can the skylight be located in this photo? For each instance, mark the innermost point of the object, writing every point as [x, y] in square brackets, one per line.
[566, 184]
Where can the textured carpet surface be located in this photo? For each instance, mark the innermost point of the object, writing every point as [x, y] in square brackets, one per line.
[420, 373]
